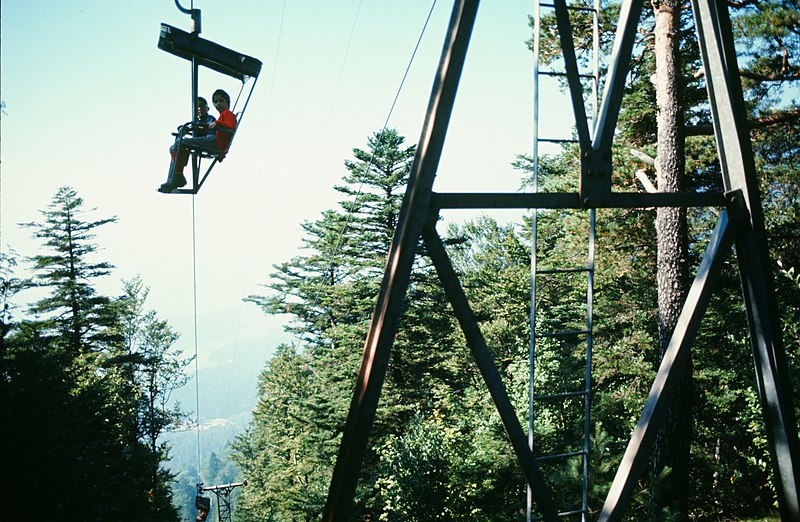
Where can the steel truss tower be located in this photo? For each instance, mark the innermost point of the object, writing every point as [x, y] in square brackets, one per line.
[741, 223]
[223, 494]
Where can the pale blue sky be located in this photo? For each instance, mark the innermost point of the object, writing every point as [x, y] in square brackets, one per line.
[91, 101]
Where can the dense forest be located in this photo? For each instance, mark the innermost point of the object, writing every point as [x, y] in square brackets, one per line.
[86, 379]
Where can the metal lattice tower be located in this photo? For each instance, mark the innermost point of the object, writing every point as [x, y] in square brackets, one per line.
[223, 496]
[741, 223]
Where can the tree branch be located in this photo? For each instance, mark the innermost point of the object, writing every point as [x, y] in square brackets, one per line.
[641, 156]
[770, 77]
[743, 3]
[641, 175]
[744, 73]
[765, 121]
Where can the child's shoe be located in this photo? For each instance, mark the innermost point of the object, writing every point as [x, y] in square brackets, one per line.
[178, 181]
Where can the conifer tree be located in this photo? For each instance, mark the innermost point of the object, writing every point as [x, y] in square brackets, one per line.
[80, 316]
[153, 369]
[67, 388]
[306, 389]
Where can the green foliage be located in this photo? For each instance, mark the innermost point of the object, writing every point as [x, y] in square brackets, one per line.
[290, 448]
[152, 369]
[726, 482]
[423, 476]
[768, 45]
[438, 450]
[83, 419]
[77, 314]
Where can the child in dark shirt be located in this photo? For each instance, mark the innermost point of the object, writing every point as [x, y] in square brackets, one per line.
[200, 124]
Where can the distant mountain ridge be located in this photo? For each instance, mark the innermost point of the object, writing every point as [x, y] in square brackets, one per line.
[227, 396]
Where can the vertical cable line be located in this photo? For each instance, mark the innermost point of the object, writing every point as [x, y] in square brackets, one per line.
[338, 81]
[194, 308]
[194, 282]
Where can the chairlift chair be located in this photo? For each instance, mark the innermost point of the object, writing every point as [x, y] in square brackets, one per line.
[202, 503]
[202, 52]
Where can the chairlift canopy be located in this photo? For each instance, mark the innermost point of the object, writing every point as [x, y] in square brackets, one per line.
[208, 54]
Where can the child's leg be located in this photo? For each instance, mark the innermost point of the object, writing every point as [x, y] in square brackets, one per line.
[205, 142]
[180, 157]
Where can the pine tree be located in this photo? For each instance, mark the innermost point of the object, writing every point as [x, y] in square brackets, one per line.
[154, 369]
[306, 389]
[67, 389]
[79, 315]
[674, 439]
[9, 285]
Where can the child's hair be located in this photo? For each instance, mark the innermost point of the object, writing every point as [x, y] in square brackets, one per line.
[201, 102]
[222, 94]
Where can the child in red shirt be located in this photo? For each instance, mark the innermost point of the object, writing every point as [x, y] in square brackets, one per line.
[217, 142]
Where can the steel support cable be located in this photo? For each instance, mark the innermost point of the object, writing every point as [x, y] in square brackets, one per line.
[325, 132]
[349, 214]
[338, 82]
[194, 310]
[385, 124]
[257, 192]
[194, 296]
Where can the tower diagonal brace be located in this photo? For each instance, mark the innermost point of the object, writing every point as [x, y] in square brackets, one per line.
[413, 212]
[494, 382]
[573, 77]
[618, 67]
[636, 455]
[723, 83]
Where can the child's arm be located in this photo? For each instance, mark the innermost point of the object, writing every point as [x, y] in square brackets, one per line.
[227, 119]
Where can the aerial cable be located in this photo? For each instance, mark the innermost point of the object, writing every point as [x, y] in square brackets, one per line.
[385, 125]
[341, 72]
[349, 216]
[256, 193]
[338, 84]
[196, 364]
[327, 125]
[195, 22]
[195, 14]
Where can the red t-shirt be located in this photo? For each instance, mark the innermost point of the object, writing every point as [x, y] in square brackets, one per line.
[228, 120]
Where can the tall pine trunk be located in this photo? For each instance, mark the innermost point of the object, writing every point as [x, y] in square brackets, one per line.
[672, 447]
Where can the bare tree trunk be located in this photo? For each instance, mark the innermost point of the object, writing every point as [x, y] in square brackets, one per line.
[671, 492]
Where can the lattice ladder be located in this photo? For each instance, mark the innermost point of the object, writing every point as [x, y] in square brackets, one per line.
[561, 316]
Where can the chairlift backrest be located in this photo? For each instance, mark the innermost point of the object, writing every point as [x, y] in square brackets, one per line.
[203, 503]
[207, 53]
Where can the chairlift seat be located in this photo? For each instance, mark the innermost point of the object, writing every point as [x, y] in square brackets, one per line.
[202, 52]
[206, 152]
[201, 502]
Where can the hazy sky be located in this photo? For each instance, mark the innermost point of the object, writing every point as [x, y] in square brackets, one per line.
[90, 102]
